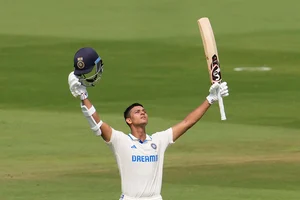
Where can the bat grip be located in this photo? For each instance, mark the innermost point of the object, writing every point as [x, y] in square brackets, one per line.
[221, 106]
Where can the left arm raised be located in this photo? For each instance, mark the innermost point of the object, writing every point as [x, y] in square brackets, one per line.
[192, 118]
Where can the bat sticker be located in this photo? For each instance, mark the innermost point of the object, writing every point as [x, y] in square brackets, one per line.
[215, 70]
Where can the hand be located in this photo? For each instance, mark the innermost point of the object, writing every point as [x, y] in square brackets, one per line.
[76, 88]
[224, 89]
[214, 91]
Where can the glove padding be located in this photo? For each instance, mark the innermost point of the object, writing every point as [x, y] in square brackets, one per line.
[214, 91]
[224, 89]
[76, 89]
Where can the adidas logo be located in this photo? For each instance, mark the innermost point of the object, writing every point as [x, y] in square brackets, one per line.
[133, 147]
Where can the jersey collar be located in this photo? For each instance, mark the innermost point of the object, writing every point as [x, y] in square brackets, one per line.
[148, 138]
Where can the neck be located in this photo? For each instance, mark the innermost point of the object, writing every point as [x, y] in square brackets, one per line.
[139, 132]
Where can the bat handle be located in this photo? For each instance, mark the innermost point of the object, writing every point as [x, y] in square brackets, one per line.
[221, 106]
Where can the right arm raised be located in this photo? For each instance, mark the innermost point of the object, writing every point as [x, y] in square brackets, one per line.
[87, 108]
[99, 127]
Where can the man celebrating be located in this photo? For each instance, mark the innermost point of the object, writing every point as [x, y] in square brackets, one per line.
[139, 156]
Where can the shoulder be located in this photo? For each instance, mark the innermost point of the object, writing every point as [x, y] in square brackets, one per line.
[117, 135]
[162, 133]
[164, 137]
[117, 131]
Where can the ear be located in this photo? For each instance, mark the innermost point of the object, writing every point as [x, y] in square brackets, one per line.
[129, 121]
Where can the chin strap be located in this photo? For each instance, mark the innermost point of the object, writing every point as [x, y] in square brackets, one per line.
[88, 115]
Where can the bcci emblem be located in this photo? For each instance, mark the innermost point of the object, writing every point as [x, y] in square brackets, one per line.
[80, 63]
[153, 146]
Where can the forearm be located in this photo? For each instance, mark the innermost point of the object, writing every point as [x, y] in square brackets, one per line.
[190, 120]
[196, 114]
[88, 104]
[99, 127]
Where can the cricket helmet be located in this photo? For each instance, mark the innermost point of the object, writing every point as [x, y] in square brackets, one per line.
[88, 66]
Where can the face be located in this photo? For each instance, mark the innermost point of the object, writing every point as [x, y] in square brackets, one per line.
[138, 116]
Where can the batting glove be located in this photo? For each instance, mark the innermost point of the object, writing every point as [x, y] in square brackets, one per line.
[224, 89]
[76, 89]
[213, 93]
[215, 89]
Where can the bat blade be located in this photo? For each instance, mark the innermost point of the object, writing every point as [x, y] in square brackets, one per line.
[212, 57]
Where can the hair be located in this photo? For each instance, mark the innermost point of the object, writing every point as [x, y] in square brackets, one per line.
[128, 109]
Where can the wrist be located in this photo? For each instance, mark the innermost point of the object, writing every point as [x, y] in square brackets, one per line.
[83, 96]
[210, 99]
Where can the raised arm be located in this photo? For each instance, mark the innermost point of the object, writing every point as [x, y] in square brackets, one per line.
[193, 117]
[99, 127]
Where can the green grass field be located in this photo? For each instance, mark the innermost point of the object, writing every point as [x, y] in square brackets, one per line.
[153, 54]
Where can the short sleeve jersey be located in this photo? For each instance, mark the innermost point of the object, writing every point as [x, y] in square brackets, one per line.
[140, 163]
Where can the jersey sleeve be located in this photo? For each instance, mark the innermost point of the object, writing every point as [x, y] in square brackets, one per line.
[165, 138]
[116, 138]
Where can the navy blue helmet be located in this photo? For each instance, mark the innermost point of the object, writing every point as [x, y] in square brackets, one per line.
[88, 66]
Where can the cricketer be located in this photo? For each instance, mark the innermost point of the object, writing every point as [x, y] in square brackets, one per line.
[139, 155]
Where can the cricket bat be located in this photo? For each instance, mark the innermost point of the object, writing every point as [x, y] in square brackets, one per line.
[212, 57]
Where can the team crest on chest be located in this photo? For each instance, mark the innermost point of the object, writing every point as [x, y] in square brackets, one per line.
[153, 146]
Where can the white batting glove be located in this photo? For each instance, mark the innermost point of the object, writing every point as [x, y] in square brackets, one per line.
[215, 89]
[213, 93]
[73, 83]
[224, 89]
[76, 89]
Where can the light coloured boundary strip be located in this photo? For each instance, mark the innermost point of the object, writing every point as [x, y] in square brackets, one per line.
[239, 69]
